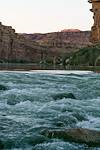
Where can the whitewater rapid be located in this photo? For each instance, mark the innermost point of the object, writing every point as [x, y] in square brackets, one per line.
[27, 106]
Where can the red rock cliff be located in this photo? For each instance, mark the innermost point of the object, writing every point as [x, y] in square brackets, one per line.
[39, 47]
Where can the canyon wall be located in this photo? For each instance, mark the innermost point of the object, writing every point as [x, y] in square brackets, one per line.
[16, 48]
[95, 31]
[61, 44]
[50, 47]
[62, 39]
[7, 39]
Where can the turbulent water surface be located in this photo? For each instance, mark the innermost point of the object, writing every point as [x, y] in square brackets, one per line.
[27, 106]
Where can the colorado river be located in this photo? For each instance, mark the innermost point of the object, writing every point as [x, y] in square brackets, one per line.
[28, 106]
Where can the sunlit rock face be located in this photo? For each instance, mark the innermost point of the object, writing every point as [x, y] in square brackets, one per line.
[95, 34]
[16, 48]
[7, 37]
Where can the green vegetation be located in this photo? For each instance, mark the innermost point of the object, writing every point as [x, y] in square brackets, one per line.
[89, 56]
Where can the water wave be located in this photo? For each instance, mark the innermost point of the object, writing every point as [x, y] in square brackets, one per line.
[37, 100]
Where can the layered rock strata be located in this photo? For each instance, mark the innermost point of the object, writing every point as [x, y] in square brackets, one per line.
[16, 48]
[40, 48]
[95, 34]
[64, 39]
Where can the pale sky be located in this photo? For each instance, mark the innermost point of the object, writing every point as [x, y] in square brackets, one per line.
[41, 16]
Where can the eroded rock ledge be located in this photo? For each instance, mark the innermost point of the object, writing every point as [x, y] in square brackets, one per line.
[78, 135]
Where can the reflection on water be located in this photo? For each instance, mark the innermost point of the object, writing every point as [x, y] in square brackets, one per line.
[27, 67]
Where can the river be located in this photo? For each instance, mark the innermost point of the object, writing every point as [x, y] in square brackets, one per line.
[27, 106]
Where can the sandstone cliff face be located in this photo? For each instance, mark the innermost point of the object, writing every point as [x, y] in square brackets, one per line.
[7, 37]
[95, 34]
[61, 45]
[61, 39]
[50, 47]
[16, 48]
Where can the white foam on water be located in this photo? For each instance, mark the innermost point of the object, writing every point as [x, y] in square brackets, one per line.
[79, 72]
[91, 123]
[62, 71]
[34, 106]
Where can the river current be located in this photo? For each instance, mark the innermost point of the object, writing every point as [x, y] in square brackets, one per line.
[27, 106]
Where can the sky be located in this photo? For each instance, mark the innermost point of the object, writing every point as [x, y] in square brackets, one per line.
[42, 16]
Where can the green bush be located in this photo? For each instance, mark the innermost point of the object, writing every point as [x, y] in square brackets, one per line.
[85, 56]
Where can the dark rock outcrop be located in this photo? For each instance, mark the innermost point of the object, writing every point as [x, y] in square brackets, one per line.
[1, 145]
[12, 102]
[78, 135]
[63, 95]
[3, 88]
